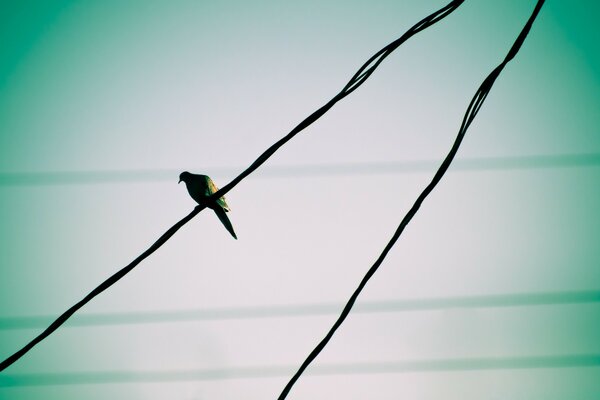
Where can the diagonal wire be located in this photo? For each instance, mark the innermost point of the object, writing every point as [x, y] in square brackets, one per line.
[358, 79]
[470, 114]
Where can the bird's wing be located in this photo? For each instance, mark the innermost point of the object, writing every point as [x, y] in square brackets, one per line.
[211, 188]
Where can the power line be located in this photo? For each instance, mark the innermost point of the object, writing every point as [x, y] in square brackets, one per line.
[470, 114]
[358, 79]
[274, 371]
[47, 178]
[310, 310]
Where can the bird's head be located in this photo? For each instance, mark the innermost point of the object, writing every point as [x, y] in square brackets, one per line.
[184, 177]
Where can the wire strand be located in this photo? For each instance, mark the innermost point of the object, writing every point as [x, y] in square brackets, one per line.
[586, 360]
[428, 21]
[470, 114]
[303, 170]
[309, 310]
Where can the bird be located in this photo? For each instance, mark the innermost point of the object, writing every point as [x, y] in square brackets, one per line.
[200, 187]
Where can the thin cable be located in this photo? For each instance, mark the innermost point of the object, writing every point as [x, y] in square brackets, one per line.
[350, 87]
[428, 21]
[303, 170]
[590, 360]
[470, 114]
[309, 310]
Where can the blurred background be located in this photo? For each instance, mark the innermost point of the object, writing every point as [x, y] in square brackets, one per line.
[493, 291]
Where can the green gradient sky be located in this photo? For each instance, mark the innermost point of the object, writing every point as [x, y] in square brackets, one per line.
[195, 85]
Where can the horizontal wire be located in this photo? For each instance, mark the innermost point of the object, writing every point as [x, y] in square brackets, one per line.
[307, 310]
[391, 167]
[273, 371]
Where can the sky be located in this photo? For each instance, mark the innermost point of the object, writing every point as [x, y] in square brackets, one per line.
[491, 292]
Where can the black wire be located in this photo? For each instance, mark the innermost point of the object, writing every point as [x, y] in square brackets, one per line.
[470, 114]
[259, 161]
[352, 85]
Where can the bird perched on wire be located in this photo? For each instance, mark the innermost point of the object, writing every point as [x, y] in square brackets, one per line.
[200, 187]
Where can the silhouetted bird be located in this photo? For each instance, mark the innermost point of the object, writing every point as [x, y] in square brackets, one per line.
[200, 187]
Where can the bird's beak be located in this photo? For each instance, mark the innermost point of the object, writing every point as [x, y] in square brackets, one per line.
[179, 181]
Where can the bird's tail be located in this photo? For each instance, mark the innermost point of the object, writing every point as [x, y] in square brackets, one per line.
[225, 220]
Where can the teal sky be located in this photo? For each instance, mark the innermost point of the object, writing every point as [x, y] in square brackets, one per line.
[103, 103]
